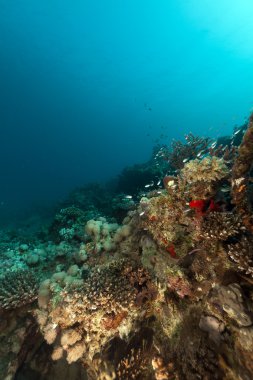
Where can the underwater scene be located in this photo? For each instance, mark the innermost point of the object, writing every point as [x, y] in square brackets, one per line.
[126, 190]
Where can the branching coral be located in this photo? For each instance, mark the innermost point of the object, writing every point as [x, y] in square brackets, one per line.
[163, 371]
[17, 289]
[240, 177]
[126, 359]
[219, 226]
[133, 366]
[108, 303]
[241, 253]
[189, 151]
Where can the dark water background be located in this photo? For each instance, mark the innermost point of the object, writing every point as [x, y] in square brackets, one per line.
[86, 87]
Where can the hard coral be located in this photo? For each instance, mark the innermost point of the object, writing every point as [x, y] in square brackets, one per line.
[220, 226]
[181, 152]
[105, 305]
[241, 253]
[17, 289]
[200, 177]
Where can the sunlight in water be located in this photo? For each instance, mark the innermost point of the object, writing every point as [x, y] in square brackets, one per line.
[229, 22]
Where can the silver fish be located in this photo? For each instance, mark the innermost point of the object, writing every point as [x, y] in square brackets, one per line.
[225, 189]
[200, 153]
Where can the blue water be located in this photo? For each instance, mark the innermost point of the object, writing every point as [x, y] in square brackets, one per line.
[88, 86]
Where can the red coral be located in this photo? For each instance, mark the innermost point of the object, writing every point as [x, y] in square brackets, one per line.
[171, 250]
[198, 205]
[202, 207]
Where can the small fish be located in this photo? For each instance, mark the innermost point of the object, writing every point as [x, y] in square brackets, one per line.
[142, 213]
[185, 160]
[148, 185]
[158, 183]
[214, 144]
[128, 197]
[225, 189]
[171, 183]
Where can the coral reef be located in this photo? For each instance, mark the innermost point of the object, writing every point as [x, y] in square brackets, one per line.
[143, 282]
[104, 305]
